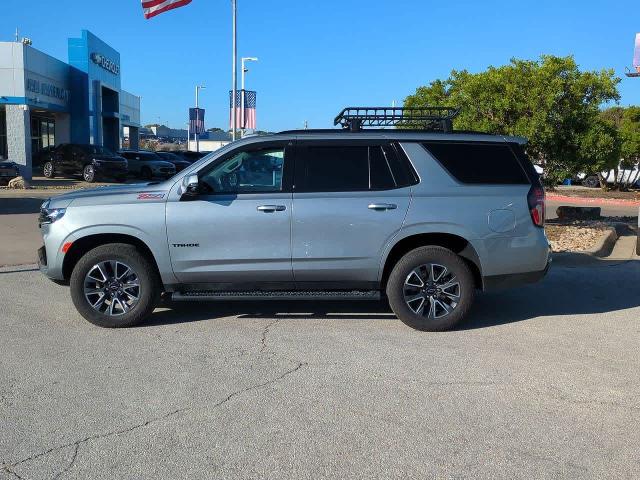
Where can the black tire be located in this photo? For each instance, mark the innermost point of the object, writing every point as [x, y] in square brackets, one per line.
[591, 182]
[146, 173]
[410, 313]
[48, 170]
[148, 292]
[89, 173]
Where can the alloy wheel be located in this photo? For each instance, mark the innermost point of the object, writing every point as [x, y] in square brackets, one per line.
[48, 169]
[112, 288]
[432, 291]
[88, 173]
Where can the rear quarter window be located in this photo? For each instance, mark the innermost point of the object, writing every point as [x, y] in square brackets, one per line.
[479, 163]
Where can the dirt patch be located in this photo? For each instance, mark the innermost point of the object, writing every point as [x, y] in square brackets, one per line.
[575, 237]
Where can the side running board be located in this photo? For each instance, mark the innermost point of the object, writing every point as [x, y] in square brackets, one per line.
[212, 296]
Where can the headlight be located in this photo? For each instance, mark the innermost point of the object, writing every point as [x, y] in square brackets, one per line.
[50, 215]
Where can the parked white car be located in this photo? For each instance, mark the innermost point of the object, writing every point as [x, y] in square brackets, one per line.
[628, 176]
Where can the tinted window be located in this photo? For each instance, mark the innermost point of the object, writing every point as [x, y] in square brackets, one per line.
[335, 168]
[347, 168]
[479, 163]
[380, 171]
[526, 163]
[256, 171]
[97, 150]
[147, 156]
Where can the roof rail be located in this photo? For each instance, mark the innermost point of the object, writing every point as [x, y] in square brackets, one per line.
[424, 118]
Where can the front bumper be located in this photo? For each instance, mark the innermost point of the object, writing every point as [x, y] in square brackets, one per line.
[111, 170]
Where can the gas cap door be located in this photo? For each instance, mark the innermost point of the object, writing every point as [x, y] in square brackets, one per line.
[502, 220]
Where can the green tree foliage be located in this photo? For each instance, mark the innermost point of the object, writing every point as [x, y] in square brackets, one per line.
[549, 101]
[599, 149]
[626, 120]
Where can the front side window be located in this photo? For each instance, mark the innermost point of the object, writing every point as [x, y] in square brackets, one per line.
[254, 171]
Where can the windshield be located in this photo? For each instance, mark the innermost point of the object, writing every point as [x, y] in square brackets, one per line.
[170, 156]
[148, 156]
[98, 150]
[221, 151]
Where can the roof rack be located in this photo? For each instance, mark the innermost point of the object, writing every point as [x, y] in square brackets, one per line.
[424, 118]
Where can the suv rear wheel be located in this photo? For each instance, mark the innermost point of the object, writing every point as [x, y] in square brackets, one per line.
[431, 289]
[47, 170]
[114, 285]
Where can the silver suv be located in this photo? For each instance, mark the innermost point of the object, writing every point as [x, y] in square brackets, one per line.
[424, 218]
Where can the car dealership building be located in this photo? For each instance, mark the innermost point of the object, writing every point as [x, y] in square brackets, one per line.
[45, 102]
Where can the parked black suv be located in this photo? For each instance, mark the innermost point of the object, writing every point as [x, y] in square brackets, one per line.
[178, 161]
[8, 171]
[190, 156]
[89, 161]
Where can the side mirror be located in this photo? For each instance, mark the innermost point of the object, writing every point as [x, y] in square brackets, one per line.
[190, 186]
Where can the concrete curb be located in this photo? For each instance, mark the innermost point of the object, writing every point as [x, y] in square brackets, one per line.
[592, 201]
[605, 245]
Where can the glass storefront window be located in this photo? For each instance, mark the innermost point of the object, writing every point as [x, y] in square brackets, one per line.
[3, 135]
[43, 133]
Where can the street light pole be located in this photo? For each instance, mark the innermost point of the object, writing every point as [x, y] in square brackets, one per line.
[234, 69]
[198, 87]
[242, 94]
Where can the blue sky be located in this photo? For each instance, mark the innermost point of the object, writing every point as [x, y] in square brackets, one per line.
[318, 56]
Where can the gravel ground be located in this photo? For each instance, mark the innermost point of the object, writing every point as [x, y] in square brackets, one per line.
[574, 238]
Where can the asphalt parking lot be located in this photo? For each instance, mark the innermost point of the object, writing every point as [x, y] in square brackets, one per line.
[540, 382]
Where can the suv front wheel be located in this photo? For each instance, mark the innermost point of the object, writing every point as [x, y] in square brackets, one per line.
[114, 285]
[89, 173]
[431, 289]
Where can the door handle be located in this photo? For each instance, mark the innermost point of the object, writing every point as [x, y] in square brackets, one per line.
[271, 208]
[382, 206]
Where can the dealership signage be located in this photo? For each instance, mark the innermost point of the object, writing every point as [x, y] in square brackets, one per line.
[106, 63]
[47, 89]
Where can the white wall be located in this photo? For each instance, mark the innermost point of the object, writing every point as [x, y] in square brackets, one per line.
[11, 69]
[207, 145]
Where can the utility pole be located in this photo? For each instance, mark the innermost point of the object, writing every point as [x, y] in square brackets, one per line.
[234, 110]
[242, 94]
[17, 35]
[198, 87]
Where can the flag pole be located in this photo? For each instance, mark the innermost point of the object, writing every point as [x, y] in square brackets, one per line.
[234, 71]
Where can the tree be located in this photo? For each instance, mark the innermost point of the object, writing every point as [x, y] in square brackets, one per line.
[214, 129]
[549, 101]
[599, 150]
[627, 122]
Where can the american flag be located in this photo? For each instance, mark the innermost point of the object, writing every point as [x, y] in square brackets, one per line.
[196, 121]
[248, 120]
[151, 8]
[636, 54]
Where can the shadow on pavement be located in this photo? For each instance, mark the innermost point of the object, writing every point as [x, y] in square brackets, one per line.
[609, 286]
[20, 205]
[179, 312]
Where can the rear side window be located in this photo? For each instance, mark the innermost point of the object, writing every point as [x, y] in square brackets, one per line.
[348, 168]
[335, 169]
[479, 163]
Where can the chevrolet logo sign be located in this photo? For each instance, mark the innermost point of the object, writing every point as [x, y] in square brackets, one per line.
[104, 62]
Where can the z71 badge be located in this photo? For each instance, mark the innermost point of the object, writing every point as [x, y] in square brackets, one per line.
[150, 196]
